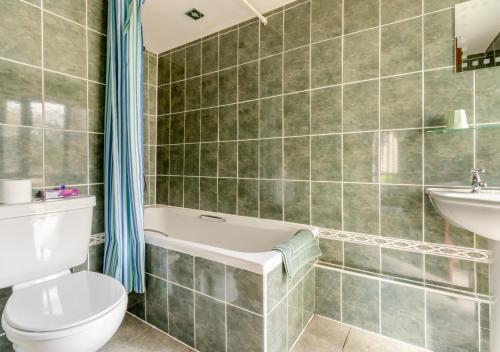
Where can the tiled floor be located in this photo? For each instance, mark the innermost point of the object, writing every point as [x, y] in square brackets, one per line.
[136, 336]
[322, 335]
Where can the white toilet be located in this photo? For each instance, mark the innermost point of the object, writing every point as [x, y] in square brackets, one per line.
[50, 309]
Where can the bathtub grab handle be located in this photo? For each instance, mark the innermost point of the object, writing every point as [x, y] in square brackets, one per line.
[156, 231]
[212, 217]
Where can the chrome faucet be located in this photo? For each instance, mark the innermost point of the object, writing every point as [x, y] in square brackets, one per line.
[477, 184]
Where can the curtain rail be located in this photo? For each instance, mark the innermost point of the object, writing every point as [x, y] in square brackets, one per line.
[262, 18]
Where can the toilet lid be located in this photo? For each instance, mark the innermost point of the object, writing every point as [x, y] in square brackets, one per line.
[64, 302]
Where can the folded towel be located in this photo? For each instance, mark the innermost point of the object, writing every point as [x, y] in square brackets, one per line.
[299, 251]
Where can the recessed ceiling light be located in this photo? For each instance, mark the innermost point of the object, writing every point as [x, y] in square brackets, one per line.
[195, 14]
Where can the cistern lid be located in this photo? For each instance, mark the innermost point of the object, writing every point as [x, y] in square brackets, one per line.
[63, 303]
[8, 211]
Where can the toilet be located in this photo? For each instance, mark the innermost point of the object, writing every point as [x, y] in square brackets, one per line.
[50, 308]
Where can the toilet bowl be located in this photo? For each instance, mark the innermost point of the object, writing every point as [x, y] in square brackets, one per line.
[74, 312]
[50, 309]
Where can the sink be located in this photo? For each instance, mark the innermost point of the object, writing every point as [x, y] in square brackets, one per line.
[476, 212]
[479, 213]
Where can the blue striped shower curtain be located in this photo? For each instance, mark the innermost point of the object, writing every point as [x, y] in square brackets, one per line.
[124, 151]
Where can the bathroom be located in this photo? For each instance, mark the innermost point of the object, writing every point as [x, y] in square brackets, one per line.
[246, 123]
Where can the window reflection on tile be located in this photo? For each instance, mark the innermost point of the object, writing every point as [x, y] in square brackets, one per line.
[451, 323]
[438, 230]
[65, 157]
[65, 102]
[20, 103]
[21, 153]
[449, 272]
[403, 264]
[401, 157]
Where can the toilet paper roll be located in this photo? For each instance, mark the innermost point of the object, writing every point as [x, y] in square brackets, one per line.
[15, 191]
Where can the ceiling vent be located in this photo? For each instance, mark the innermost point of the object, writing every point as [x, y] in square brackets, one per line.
[195, 14]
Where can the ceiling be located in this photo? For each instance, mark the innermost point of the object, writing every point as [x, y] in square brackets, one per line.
[166, 26]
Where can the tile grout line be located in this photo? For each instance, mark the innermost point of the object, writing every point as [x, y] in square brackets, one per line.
[347, 83]
[168, 298]
[474, 143]
[189, 348]
[342, 44]
[379, 164]
[194, 304]
[314, 181]
[184, 131]
[87, 101]
[200, 130]
[146, 62]
[259, 106]
[237, 116]
[369, 332]
[225, 307]
[422, 119]
[169, 127]
[43, 92]
[310, 112]
[218, 120]
[155, 156]
[282, 52]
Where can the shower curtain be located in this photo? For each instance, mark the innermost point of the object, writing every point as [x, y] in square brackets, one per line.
[124, 153]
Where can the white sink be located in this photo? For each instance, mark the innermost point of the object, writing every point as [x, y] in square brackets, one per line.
[476, 212]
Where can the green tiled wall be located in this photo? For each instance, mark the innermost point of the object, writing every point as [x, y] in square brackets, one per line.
[437, 320]
[52, 75]
[321, 118]
[316, 121]
[212, 307]
[52, 65]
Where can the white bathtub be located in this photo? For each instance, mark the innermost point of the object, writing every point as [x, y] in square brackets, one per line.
[233, 240]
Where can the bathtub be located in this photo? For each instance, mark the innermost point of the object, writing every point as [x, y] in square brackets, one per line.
[238, 241]
[214, 283]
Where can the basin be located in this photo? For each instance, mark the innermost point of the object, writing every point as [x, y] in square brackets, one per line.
[478, 212]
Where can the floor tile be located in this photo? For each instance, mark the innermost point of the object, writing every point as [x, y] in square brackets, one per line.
[134, 335]
[362, 341]
[322, 335]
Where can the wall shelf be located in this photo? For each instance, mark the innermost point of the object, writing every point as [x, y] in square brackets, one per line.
[451, 130]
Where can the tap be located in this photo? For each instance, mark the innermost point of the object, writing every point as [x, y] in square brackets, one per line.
[476, 183]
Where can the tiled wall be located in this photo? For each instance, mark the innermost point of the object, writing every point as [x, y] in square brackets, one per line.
[322, 118]
[331, 133]
[215, 307]
[52, 74]
[150, 94]
[290, 307]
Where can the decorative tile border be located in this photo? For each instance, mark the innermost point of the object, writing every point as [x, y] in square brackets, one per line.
[477, 255]
[96, 239]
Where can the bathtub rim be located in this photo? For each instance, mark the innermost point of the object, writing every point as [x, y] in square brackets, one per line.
[257, 262]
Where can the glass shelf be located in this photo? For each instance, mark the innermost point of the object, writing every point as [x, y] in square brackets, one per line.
[450, 130]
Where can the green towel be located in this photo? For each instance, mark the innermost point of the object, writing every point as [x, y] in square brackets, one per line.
[299, 251]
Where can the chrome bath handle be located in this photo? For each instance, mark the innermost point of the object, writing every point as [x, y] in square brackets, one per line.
[157, 231]
[211, 217]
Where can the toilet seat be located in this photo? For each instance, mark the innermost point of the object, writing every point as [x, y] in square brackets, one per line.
[63, 303]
